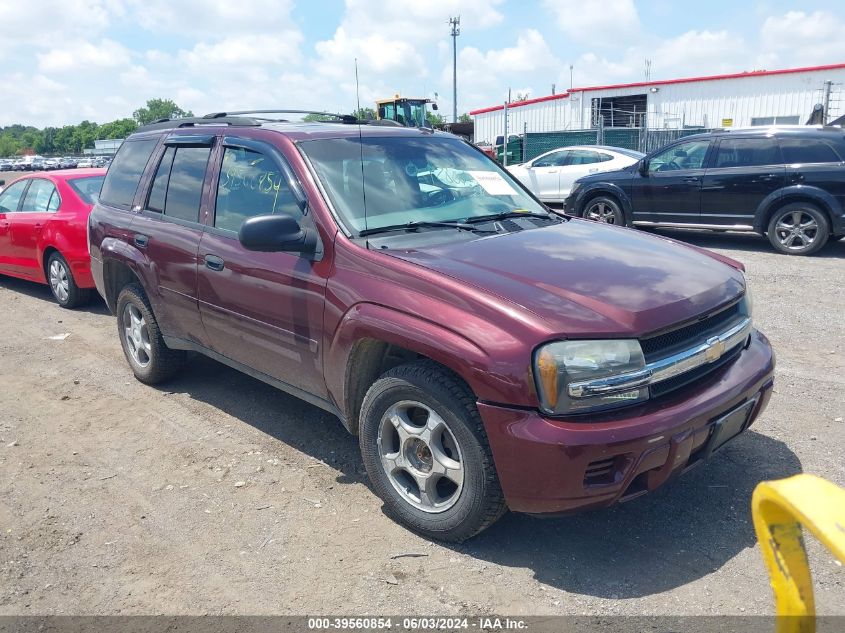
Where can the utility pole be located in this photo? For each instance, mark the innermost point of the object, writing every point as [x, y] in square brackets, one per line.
[456, 30]
[826, 100]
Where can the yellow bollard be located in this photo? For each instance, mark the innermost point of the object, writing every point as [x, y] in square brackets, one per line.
[780, 509]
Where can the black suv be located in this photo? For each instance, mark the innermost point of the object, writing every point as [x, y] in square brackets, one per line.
[787, 183]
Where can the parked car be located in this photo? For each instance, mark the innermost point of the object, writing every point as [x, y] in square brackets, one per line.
[488, 149]
[786, 183]
[5, 165]
[550, 176]
[67, 162]
[50, 163]
[43, 220]
[371, 271]
[85, 162]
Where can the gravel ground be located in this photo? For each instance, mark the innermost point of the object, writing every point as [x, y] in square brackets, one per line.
[216, 494]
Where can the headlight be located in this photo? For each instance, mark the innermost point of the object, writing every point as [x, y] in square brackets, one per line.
[561, 367]
[748, 300]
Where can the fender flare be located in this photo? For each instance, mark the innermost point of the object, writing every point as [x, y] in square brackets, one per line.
[820, 197]
[609, 188]
[118, 251]
[55, 240]
[365, 321]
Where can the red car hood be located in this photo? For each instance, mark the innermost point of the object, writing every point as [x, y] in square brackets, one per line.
[587, 279]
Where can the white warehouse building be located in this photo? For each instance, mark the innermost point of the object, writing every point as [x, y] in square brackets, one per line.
[762, 97]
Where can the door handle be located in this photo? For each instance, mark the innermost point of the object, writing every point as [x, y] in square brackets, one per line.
[215, 263]
[769, 177]
[38, 225]
[141, 241]
[692, 179]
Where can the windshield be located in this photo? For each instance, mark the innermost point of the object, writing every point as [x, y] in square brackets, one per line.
[384, 181]
[87, 188]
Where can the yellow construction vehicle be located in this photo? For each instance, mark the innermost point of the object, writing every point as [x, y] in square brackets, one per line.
[405, 111]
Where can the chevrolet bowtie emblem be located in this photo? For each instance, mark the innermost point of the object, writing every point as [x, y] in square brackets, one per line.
[715, 349]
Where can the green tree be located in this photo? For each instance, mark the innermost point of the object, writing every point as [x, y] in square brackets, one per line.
[364, 114]
[120, 128]
[159, 109]
[464, 118]
[9, 146]
[434, 119]
[311, 118]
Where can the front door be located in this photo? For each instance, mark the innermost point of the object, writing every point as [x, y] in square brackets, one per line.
[10, 201]
[544, 175]
[263, 310]
[742, 173]
[168, 230]
[671, 189]
[25, 227]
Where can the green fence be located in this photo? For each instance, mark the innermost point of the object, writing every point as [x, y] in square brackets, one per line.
[644, 140]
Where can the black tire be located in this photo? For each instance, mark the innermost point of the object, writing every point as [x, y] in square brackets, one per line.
[605, 209]
[62, 284]
[786, 239]
[161, 361]
[479, 502]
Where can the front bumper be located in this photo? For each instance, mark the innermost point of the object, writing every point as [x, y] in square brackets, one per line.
[551, 465]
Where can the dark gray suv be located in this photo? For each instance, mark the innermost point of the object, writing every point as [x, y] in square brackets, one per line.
[787, 183]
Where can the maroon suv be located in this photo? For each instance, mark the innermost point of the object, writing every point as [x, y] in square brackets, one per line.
[488, 353]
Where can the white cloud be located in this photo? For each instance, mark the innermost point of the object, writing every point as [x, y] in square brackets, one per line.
[82, 56]
[798, 38]
[205, 17]
[607, 21]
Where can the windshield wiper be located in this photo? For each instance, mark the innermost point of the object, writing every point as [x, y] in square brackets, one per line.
[504, 215]
[412, 226]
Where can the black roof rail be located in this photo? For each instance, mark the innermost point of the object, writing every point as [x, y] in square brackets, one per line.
[345, 118]
[165, 124]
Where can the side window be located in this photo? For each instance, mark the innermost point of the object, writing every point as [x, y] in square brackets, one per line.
[38, 195]
[807, 150]
[250, 184]
[552, 160]
[184, 187]
[55, 201]
[584, 157]
[158, 191]
[11, 196]
[125, 172]
[689, 155]
[747, 152]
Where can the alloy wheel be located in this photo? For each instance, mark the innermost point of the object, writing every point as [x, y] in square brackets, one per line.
[421, 457]
[797, 230]
[137, 335]
[59, 280]
[601, 212]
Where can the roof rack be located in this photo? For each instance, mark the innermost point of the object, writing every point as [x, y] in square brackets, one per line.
[234, 121]
[345, 118]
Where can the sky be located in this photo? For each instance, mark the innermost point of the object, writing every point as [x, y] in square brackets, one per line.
[68, 60]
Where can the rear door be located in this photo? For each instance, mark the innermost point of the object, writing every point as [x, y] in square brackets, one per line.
[813, 161]
[741, 174]
[670, 191]
[263, 310]
[25, 227]
[10, 201]
[168, 229]
[580, 162]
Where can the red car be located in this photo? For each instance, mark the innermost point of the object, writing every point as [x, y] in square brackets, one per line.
[43, 224]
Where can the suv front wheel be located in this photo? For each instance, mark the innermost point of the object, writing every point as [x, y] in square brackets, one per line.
[604, 209]
[426, 453]
[799, 228]
[150, 359]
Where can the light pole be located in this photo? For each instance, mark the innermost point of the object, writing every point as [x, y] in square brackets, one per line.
[456, 30]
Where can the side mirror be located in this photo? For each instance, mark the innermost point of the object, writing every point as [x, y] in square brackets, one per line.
[2, 183]
[434, 107]
[643, 169]
[276, 233]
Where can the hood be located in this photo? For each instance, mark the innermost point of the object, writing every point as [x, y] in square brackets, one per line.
[625, 172]
[585, 279]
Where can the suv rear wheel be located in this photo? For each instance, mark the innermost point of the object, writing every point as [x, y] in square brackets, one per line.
[426, 453]
[604, 209]
[151, 360]
[799, 228]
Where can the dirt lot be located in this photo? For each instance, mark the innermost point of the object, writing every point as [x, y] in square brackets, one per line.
[117, 498]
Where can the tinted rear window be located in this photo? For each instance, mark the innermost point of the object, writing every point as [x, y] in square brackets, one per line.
[125, 172]
[184, 189]
[807, 150]
[88, 189]
[747, 152]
